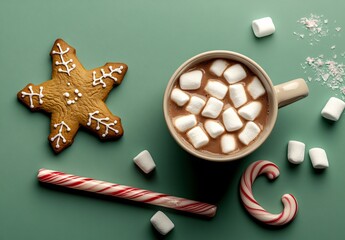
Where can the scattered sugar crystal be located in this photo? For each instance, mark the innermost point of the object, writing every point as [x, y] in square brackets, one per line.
[338, 29]
[333, 47]
[328, 72]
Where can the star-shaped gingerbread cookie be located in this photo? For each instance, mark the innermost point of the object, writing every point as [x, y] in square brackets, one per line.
[74, 97]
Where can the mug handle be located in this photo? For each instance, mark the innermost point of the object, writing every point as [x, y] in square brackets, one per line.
[291, 91]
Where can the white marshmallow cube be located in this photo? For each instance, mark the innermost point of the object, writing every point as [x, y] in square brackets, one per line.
[296, 151]
[179, 97]
[197, 137]
[145, 161]
[235, 73]
[263, 27]
[255, 88]
[237, 94]
[228, 143]
[318, 158]
[231, 120]
[216, 89]
[250, 111]
[218, 67]
[214, 128]
[162, 223]
[183, 123]
[333, 109]
[195, 105]
[249, 133]
[213, 108]
[191, 80]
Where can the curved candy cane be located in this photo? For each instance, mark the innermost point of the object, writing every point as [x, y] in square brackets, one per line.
[252, 206]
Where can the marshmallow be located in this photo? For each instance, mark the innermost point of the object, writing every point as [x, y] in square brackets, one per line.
[191, 80]
[218, 67]
[263, 27]
[162, 223]
[235, 73]
[237, 95]
[296, 152]
[250, 111]
[216, 89]
[249, 133]
[228, 143]
[333, 109]
[214, 128]
[144, 161]
[195, 105]
[231, 120]
[213, 108]
[318, 158]
[255, 88]
[179, 97]
[197, 137]
[183, 123]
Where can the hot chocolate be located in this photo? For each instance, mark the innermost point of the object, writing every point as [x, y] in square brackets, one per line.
[218, 106]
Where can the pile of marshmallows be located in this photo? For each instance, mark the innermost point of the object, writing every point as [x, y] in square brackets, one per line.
[212, 107]
[331, 111]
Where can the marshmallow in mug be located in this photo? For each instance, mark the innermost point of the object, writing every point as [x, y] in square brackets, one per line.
[183, 123]
[250, 111]
[228, 143]
[333, 109]
[249, 133]
[214, 128]
[191, 80]
[231, 120]
[197, 137]
[195, 105]
[218, 66]
[213, 108]
[237, 94]
[255, 88]
[179, 97]
[216, 89]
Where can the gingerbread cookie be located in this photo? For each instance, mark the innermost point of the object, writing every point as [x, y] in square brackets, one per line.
[75, 97]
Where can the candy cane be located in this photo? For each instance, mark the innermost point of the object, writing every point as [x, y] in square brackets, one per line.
[289, 201]
[126, 192]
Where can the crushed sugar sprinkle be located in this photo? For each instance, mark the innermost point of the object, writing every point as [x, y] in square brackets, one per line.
[315, 26]
[326, 71]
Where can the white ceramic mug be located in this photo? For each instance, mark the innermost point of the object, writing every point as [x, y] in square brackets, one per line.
[278, 96]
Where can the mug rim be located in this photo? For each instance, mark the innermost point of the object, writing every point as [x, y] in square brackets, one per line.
[251, 64]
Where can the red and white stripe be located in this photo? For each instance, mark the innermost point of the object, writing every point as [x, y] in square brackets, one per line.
[253, 207]
[126, 192]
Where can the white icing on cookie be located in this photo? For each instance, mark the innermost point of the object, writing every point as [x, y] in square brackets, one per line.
[63, 62]
[99, 80]
[101, 121]
[59, 135]
[31, 94]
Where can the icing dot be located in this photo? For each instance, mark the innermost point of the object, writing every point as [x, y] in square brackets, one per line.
[76, 91]
[73, 101]
[64, 141]
[79, 94]
[69, 84]
[66, 94]
[103, 135]
[76, 98]
[97, 128]
[52, 139]
[69, 102]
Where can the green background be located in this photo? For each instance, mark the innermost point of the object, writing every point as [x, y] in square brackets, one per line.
[154, 37]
